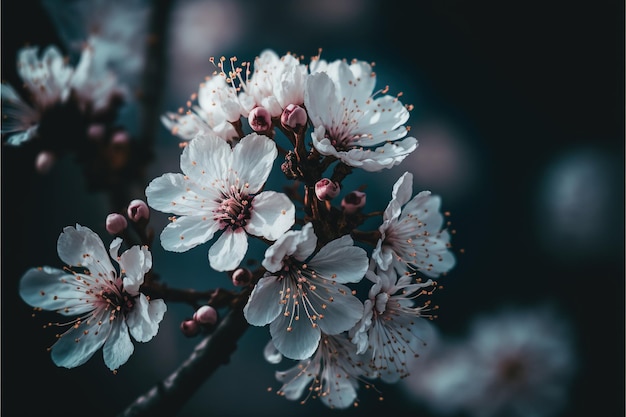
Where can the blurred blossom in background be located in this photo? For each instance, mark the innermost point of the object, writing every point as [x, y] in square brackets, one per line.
[511, 362]
[518, 111]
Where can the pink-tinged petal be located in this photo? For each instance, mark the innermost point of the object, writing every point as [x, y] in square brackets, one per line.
[80, 246]
[229, 250]
[341, 261]
[300, 342]
[118, 346]
[206, 159]
[253, 158]
[53, 290]
[143, 320]
[180, 195]
[188, 232]
[135, 262]
[264, 303]
[77, 345]
[272, 214]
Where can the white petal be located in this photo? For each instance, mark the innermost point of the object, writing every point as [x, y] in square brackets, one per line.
[80, 246]
[118, 346]
[135, 262]
[295, 380]
[341, 309]
[229, 250]
[271, 354]
[70, 353]
[298, 343]
[180, 195]
[299, 243]
[401, 193]
[253, 158]
[53, 290]
[114, 247]
[272, 214]
[264, 302]
[187, 232]
[341, 261]
[144, 318]
[206, 159]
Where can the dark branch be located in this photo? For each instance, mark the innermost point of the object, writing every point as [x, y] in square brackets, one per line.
[171, 394]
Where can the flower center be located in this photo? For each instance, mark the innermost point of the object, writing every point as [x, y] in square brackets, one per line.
[234, 209]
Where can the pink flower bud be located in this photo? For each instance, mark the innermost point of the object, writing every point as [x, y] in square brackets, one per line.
[116, 223]
[293, 116]
[45, 161]
[137, 210]
[326, 189]
[353, 201]
[190, 328]
[241, 277]
[260, 119]
[205, 315]
[96, 131]
[120, 137]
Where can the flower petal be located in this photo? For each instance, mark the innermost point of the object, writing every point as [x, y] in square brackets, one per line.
[144, 318]
[341, 261]
[229, 250]
[118, 346]
[272, 214]
[135, 262]
[206, 159]
[253, 158]
[264, 302]
[80, 246]
[180, 195]
[300, 342]
[53, 290]
[187, 232]
[77, 345]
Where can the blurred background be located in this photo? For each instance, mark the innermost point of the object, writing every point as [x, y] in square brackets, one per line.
[519, 113]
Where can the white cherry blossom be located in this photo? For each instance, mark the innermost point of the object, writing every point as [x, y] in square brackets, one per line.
[105, 299]
[393, 330]
[220, 189]
[412, 238]
[352, 123]
[332, 374]
[301, 298]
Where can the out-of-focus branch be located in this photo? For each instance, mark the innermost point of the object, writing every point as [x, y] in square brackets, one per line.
[171, 394]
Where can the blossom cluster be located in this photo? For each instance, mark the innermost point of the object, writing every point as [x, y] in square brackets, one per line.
[317, 123]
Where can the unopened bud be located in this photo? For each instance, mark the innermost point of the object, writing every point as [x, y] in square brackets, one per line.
[116, 223]
[45, 161]
[293, 116]
[137, 210]
[260, 120]
[190, 328]
[96, 131]
[205, 315]
[353, 201]
[326, 189]
[120, 137]
[241, 277]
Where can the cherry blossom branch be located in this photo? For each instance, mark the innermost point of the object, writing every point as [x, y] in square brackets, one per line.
[171, 394]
